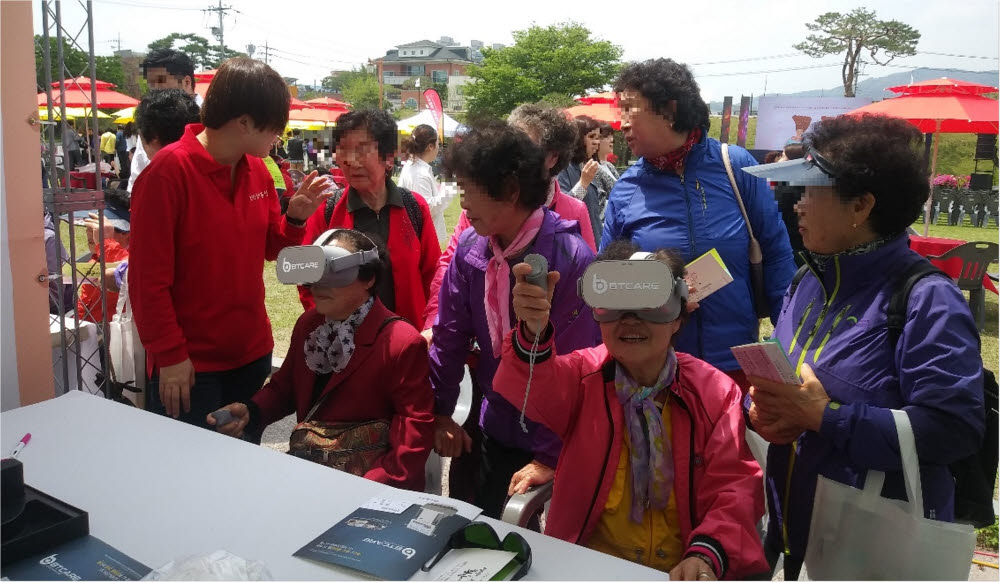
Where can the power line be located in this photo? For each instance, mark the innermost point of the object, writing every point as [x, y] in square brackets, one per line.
[959, 56]
[784, 56]
[220, 32]
[738, 73]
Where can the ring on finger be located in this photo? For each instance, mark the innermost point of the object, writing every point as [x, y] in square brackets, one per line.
[703, 575]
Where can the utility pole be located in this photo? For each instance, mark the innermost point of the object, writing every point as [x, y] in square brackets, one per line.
[220, 31]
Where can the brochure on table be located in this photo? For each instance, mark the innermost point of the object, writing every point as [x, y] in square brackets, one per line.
[392, 537]
[85, 558]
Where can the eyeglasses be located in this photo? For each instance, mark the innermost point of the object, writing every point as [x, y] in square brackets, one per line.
[658, 315]
[481, 535]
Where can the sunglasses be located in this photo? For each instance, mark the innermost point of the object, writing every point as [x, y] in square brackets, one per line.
[658, 315]
[481, 535]
[824, 165]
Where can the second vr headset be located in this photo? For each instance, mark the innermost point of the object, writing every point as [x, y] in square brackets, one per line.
[642, 286]
[322, 264]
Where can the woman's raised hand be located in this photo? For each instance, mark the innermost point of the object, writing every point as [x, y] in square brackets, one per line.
[532, 304]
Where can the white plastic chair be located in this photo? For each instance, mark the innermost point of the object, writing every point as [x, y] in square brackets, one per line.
[435, 465]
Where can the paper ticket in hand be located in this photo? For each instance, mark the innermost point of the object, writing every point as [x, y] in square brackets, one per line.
[766, 360]
[706, 275]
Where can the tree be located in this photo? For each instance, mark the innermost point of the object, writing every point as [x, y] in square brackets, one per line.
[337, 80]
[563, 59]
[856, 32]
[204, 55]
[77, 64]
[362, 93]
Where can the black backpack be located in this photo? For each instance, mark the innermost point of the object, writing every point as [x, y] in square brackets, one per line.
[409, 203]
[974, 475]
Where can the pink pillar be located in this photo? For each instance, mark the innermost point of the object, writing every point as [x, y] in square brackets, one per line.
[22, 183]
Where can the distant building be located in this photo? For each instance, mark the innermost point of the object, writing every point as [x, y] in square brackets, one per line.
[442, 62]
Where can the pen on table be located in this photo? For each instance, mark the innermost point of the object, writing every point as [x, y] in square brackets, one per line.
[24, 441]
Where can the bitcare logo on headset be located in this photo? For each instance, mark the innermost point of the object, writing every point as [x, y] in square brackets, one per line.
[602, 286]
[288, 266]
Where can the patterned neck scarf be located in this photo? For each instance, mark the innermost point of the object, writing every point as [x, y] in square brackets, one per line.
[330, 346]
[498, 278]
[553, 190]
[650, 452]
[821, 261]
[674, 161]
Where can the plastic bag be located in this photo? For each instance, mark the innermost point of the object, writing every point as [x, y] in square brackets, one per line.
[219, 565]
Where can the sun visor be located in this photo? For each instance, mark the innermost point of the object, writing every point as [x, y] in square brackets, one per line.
[801, 172]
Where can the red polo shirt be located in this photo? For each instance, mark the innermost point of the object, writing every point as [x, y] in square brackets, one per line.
[198, 247]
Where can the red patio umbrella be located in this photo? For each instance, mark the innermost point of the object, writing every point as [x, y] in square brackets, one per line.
[80, 97]
[943, 85]
[205, 76]
[939, 113]
[297, 104]
[607, 112]
[327, 103]
[605, 97]
[84, 83]
[316, 114]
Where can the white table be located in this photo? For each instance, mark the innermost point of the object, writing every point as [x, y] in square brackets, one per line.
[158, 489]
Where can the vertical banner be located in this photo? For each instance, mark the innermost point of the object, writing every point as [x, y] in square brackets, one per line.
[433, 102]
[741, 132]
[727, 114]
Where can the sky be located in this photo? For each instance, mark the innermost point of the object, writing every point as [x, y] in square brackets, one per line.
[734, 47]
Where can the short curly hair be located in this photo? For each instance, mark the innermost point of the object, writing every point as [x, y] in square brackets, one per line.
[584, 125]
[380, 124]
[662, 81]
[878, 155]
[503, 160]
[556, 132]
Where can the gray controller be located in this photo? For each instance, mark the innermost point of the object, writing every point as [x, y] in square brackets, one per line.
[222, 417]
[539, 275]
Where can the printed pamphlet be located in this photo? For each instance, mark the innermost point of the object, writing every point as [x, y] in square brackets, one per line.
[766, 360]
[706, 275]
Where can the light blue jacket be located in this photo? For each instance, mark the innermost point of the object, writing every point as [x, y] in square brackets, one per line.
[695, 214]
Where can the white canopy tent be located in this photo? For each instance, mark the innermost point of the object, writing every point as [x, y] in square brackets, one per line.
[451, 127]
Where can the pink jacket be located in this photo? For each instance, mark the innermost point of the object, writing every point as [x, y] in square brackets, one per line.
[564, 205]
[718, 484]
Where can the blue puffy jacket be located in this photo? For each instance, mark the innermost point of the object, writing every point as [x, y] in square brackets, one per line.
[694, 214]
[836, 323]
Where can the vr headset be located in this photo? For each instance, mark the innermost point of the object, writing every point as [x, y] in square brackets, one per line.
[642, 286]
[322, 264]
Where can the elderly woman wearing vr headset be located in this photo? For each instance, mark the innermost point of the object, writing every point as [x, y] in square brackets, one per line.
[354, 371]
[654, 467]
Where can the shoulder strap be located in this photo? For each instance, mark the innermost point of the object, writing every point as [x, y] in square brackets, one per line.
[413, 211]
[736, 189]
[896, 310]
[331, 202]
[312, 411]
[799, 275]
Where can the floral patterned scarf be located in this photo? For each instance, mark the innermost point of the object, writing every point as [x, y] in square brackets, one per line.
[674, 161]
[650, 451]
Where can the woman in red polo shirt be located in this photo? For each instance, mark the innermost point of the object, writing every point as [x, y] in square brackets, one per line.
[205, 216]
[366, 142]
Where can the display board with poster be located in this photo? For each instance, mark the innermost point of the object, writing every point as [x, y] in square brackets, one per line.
[781, 120]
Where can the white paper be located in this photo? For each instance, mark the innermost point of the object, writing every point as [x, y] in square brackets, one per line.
[396, 506]
[766, 360]
[443, 504]
[706, 275]
[471, 564]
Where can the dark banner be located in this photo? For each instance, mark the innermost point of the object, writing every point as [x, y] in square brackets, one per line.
[727, 114]
[741, 132]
